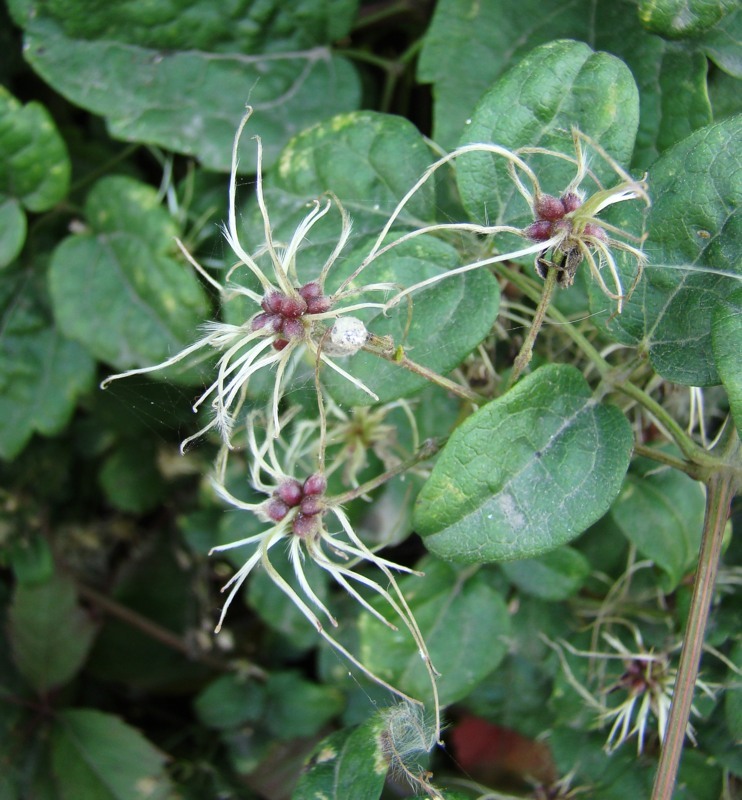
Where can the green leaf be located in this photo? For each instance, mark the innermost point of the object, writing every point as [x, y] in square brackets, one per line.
[34, 165]
[526, 473]
[131, 479]
[556, 575]
[673, 96]
[677, 19]
[722, 43]
[99, 757]
[662, 514]
[42, 373]
[556, 87]
[347, 763]
[464, 622]
[12, 230]
[726, 338]
[295, 707]
[117, 290]
[185, 91]
[50, 636]
[694, 229]
[449, 319]
[468, 46]
[366, 159]
[230, 701]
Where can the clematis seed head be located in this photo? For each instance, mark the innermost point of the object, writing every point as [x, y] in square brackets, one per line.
[290, 492]
[276, 509]
[539, 231]
[549, 208]
[571, 202]
[305, 525]
[315, 484]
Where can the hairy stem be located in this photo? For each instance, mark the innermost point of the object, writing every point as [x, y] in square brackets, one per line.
[523, 359]
[720, 493]
[399, 357]
[428, 449]
[692, 451]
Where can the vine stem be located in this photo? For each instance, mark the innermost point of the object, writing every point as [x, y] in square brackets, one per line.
[526, 351]
[157, 632]
[721, 490]
[428, 449]
[692, 451]
[399, 357]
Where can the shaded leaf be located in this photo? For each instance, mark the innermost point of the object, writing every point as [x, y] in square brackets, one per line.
[34, 165]
[348, 763]
[526, 473]
[160, 591]
[100, 757]
[726, 338]
[465, 625]
[186, 93]
[42, 373]
[722, 43]
[118, 290]
[555, 87]
[131, 479]
[662, 514]
[12, 230]
[694, 229]
[556, 575]
[230, 701]
[366, 159]
[49, 634]
[295, 707]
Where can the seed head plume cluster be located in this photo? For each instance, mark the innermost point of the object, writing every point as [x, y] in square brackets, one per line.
[303, 469]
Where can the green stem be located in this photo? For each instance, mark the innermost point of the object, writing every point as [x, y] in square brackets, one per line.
[689, 448]
[525, 355]
[664, 458]
[692, 451]
[428, 449]
[532, 290]
[720, 493]
[374, 17]
[398, 356]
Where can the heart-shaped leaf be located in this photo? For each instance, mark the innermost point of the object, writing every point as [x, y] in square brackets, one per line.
[100, 757]
[50, 636]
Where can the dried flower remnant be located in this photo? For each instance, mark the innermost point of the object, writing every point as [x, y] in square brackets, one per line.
[300, 513]
[647, 683]
[290, 317]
